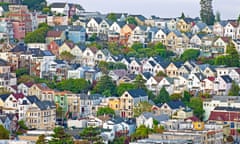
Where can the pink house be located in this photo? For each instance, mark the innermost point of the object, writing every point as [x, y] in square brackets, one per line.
[19, 30]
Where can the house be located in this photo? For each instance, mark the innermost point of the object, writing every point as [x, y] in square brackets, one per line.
[196, 40]
[61, 100]
[167, 83]
[152, 83]
[53, 47]
[117, 74]
[66, 9]
[55, 35]
[139, 18]
[88, 56]
[183, 113]
[230, 29]
[222, 85]
[147, 119]
[41, 115]
[219, 27]
[174, 41]
[6, 77]
[9, 102]
[172, 24]
[104, 26]
[198, 27]
[19, 31]
[93, 26]
[129, 99]
[38, 90]
[226, 115]
[24, 87]
[76, 34]
[220, 45]
[66, 46]
[125, 33]
[161, 35]
[235, 75]
[171, 107]
[114, 103]
[194, 81]
[207, 85]
[172, 69]
[183, 25]
[56, 20]
[135, 66]
[139, 35]
[116, 27]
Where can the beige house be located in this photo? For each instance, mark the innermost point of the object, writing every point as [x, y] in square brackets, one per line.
[183, 26]
[172, 70]
[42, 91]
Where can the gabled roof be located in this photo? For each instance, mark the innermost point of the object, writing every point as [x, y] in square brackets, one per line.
[18, 95]
[226, 39]
[221, 108]
[137, 93]
[176, 104]
[59, 61]
[224, 114]
[98, 20]
[152, 63]
[178, 64]
[121, 23]
[32, 99]
[201, 25]
[4, 96]
[159, 118]
[140, 17]
[43, 105]
[69, 44]
[131, 26]
[53, 33]
[226, 78]
[28, 84]
[147, 75]
[200, 76]
[223, 23]
[3, 118]
[177, 33]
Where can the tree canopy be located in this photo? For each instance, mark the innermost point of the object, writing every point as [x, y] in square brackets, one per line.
[34, 4]
[105, 86]
[206, 12]
[73, 85]
[190, 54]
[162, 97]
[131, 20]
[122, 87]
[67, 56]
[105, 111]
[112, 17]
[139, 82]
[196, 104]
[234, 91]
[142, 107]
[37, 36]
[91, 134]
[41, 139]
[4, 133]
[60, 137]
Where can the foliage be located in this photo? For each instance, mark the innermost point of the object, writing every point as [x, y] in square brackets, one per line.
[218, 16]
[73, 85]
[41, 139]
[60, 137]
[131, 20]
[182, 15]
[4, 133]
[93, 37]
[105, 111]
[25, 78]
[37, 36]
[95, 44]
[206, 12]
[91, 134]
[162, 97]
[196, 104]
[105, 86]
[141, 107]
[115, 48]
[238, 20]
[112, 17]
[139, 82]
[190, 54]
[141, 132]
[231, 59]
[67, 56]
[121, 88]
[175, 96]
[106, 66]
[234, 91]
[158, 129]
[21, 71]
[34, 4]
[22, 125]
[161, 74]
[119, 140]
[46, 10]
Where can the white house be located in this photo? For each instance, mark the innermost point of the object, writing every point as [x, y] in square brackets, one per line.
[230, 30]
[222, 85]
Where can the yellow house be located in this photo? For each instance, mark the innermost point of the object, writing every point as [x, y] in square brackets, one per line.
[198, 125]
[183, 113]
[183, 26]
[172, 69]
[174, 40]
[66, 46]
[126, 32]
[114, 103]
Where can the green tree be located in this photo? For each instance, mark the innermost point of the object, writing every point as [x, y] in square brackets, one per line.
[233, 55]
[142, 107]
[34, 4]
[196, 104]
[22, 125]
[112, 17]
[182, 15]
[161, 74]
[234, 91]
[105, 111]
[238, 18]
[176, 96]
[218, 16]
[21, 71]
[162, 97]
[206, 12]
[139, 82]
[37, 36]
[46, 10]
[141, 132]
[104, 85]
[73, 85]
[4, 133]
[221, 60]
[60, 137]
[91, 134]
[131, 20]
[119, 140]
[137, 46]
[186, 97]
[122, 87]
[103, 65]
[93, 37]
[190, 54]
[67, 56]
[41, 139]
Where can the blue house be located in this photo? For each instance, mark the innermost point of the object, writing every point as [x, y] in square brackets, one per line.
[77, 34]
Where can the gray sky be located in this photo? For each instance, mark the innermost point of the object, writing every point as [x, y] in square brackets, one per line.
[164, 8]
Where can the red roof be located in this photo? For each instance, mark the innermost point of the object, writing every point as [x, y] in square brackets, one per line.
[225, 39]
[237, 70]
[211, 78]
[132, 26]
[93, 49]
[233, 23]
[29, 84]
[54, 33]
[223, 116]
[18, 95]
[70, 44]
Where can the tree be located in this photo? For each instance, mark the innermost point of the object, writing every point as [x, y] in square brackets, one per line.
[190, 54]
[91, 134]
[186, 97]
[105, 86]
[141, 132]
[37, 36]
[161, 74]
[238, 18]
[67, 56]
[218, 16]
[139, 82]
[112, 17]
[221, 60]
[22, 125]
[4, 134]
[137, 45]
[34, 4]
[142, 107]
[21, 71]
[234, 91]
[182, 15]
[105, 111]
[41, 139]
[162, 97]
[175, 97]
[233, 60]
[73, 85]
[122, 87]
[60, 137]
[46, 10]
[131, 20]
[196, 104]
[206, 12]
[93, 37]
